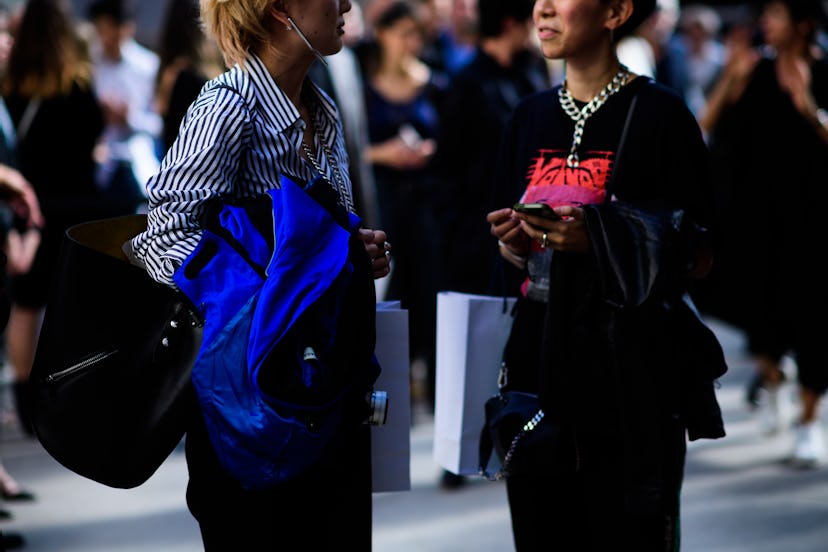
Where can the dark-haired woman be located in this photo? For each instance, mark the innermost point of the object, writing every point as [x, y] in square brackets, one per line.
[768, 133]
[402, 96]
[602, 331]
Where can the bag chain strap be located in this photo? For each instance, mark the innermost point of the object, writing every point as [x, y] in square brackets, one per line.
[502, 379]
[527, 427]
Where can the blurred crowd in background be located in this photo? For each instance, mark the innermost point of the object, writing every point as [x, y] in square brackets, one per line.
[93, 92]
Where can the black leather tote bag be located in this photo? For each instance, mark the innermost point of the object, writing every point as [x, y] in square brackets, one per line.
[111, 377]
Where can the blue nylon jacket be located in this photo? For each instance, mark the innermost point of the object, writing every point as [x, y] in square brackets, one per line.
[252, 294]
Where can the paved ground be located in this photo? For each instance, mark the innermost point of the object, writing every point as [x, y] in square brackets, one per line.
[739, 496]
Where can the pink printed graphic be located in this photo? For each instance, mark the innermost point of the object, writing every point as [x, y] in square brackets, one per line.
[551, 181]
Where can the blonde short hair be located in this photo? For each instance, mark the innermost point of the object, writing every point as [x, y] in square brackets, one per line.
[236, 25]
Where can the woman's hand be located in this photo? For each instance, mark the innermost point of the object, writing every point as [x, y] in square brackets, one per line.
[20, 249]
[513, 243]
[731, 84]
[397, 154]
[568, 234]
[506, 228]
[21, 196]
[379, 251]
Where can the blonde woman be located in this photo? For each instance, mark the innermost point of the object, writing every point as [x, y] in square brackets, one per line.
[260, 122]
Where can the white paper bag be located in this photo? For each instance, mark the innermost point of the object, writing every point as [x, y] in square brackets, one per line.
[391, 443]
[471, 333]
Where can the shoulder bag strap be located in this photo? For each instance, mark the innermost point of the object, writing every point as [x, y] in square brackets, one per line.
[27, 118]
[610, 185]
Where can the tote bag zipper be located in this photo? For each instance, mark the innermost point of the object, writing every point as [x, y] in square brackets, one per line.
[81, 366]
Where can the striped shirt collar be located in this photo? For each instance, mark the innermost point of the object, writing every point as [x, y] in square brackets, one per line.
[279, 108]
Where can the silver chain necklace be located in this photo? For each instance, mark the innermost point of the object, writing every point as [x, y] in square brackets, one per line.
[344, 194]
[580, 116]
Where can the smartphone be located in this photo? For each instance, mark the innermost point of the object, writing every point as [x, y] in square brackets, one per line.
[410, 136]
[536, 209]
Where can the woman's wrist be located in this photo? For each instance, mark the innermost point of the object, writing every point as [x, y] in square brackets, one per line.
[511, 249]
[510, 255]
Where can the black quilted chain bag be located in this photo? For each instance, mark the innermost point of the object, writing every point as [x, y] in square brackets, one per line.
[522, 437]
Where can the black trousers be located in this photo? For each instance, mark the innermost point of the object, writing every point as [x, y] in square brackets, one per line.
[550, 525]
[586, 512]
[326, 508]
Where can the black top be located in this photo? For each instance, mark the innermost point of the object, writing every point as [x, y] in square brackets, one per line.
[664, 161]
[55, 156]
[619, 377]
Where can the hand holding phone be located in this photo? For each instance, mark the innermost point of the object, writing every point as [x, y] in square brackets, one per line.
[536, 209]
[410, 137]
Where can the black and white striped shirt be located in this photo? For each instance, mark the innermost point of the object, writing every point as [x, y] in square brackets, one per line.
[238, 136]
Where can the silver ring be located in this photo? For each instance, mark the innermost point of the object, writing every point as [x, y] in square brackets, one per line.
[386, 246]
[544, 241]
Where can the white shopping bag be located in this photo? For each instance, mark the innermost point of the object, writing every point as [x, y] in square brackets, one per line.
[391, 443]
[471, 333]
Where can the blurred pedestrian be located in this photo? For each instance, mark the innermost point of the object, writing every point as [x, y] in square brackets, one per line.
[20, 220]
[57, 119]
[700, 28]
[505, 68]
[341, 77]
[124, 82]
[260, 121]
[403, 96]
[768, 131]
[622, 366]
[185, 65]
[654, 50]
[19, 211]
[449, 34]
